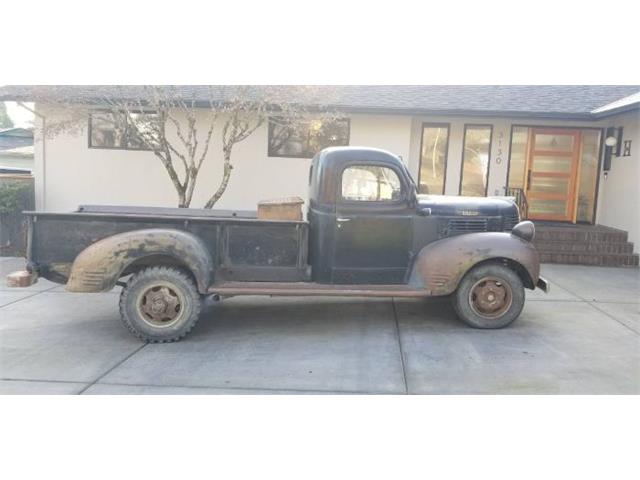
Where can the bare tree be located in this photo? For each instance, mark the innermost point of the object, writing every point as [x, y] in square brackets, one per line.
[178, 127]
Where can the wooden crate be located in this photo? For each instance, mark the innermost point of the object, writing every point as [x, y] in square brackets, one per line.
[281, 209]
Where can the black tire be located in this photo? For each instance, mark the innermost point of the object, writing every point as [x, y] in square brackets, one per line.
[479, 300]
[160, 304]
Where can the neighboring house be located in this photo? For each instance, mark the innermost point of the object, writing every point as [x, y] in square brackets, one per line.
[545, 144]
[16, 149]
[15, 137]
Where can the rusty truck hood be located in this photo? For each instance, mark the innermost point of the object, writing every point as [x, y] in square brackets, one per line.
[468, 206]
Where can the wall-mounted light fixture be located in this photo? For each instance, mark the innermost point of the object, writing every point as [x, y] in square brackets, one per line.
[611, 141]
[614, 140]
[613, 145]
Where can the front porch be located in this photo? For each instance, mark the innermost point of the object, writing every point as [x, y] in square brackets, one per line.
[578, 243]
[556, 171]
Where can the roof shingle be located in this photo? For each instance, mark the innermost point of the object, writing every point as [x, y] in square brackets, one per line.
[567, 101]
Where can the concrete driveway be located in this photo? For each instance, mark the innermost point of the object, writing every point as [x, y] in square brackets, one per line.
[584, 337]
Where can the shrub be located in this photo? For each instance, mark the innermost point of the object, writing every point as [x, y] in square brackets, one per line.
[14, 196]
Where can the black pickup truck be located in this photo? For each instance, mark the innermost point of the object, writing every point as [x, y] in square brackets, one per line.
[368, 234]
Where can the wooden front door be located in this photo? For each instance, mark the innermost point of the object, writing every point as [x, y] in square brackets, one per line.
[553, 160]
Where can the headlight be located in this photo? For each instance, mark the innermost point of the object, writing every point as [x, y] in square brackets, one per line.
[525, 230]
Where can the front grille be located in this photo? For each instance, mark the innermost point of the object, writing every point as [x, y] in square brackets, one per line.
[510, 221]
[467, 225]
[461, 225]
[458, 226]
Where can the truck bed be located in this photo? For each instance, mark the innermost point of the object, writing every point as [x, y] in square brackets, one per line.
[167, 212]
[241, 246]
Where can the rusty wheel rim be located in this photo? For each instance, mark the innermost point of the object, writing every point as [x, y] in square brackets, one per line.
[490, 297]
[161, 305]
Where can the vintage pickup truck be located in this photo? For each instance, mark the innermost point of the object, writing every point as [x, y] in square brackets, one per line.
[368, 234]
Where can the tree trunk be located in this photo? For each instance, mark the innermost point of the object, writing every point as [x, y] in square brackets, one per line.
[182, 201]
[190, 182]
[224, 183]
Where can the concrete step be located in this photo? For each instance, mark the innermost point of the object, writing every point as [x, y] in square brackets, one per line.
[584, 247]
[589, 235]
[597, 259]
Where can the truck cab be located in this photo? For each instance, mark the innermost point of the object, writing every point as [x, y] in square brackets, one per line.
[367, 221]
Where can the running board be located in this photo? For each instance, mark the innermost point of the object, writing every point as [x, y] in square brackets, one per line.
[303, 289]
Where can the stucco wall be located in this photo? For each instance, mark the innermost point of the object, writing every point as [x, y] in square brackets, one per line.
[619, 197]
[74, 174]
[388, 132]
[69, 173]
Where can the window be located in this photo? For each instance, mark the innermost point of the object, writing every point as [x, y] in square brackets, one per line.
[475, 160]
[305, 139]
[365, 183]
[433, 158]
[111, 130]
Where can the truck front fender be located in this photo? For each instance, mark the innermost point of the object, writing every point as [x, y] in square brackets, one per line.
[440, 266]
[99, 266]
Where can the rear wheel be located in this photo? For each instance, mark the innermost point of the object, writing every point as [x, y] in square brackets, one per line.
[160, 304]
[489, 296]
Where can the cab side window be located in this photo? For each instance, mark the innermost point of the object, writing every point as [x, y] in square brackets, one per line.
[367, 183]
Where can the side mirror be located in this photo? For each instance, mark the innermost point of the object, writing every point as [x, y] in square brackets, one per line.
[424, 212]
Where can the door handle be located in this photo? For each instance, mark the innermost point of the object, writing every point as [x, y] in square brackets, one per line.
[340, 221]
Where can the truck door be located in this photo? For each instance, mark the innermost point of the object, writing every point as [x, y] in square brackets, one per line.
[372, 227]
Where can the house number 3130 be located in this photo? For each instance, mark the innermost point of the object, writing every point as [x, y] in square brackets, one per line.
[499, 152]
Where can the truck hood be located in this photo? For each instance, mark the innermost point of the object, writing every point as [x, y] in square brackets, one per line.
[468, 206]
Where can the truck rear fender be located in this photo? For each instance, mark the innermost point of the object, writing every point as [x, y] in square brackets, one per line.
[440, 266]
[98, 267]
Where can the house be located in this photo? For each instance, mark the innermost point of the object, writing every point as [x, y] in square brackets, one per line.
[16, 150]
[569, 154]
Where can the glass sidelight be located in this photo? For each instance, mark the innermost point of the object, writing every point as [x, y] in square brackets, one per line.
[588, 178]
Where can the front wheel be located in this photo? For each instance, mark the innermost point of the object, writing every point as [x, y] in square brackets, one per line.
[489, 296]
[160, 304]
